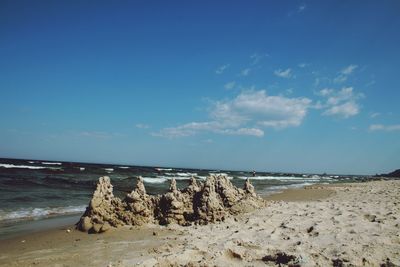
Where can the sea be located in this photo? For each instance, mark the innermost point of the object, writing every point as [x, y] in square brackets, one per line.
[32, 191]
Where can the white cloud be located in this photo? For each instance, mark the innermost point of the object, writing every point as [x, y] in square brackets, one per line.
[193, 128]
[301, 8]
[303, 65]
[245, 72]
[374, 115]
[283, 73]
[325, 92]
[257, 106]
[97, 134]
[345, 110]
[230, 85]
[245, 114]
[243, 131]
[289, 91]
[340, 78]
[256, 58]
[346, 93]
[349, 69]
[381, 127]
[142, 126]
[344, 73]
[341, 103]
[188, 129]
[222, 68]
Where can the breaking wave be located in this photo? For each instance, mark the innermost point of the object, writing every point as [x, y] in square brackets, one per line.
[36, 213]
[157, 180]
[12, 166]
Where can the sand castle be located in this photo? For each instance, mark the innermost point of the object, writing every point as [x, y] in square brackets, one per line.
[200, 203]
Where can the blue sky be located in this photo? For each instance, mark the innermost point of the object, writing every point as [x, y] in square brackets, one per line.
[293, 86]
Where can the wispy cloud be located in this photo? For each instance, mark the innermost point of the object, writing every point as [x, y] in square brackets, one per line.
[301, 8]
[218, 127]
[342, 103]
[244, 131]
[387, 128]
[142, 126]
[256, 58]
[303, 65]
[344, 73]
[325, 92]
[97, 134]
[245, 72]
[374, 115]
[345, 110]
[349, 69]
[283, 73]
[230, 85]
[246, 114]
[221, 69]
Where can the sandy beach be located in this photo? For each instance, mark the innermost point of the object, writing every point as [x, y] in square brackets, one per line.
[355, 224]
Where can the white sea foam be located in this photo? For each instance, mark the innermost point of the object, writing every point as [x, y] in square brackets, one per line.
[181, 174]
[123, 167]
[186, 174]
[279, 188]
[157, 180]
[280, 178]
[35, 213]
[109, 169]
[9, 166]
[52, 163]
[177, 177]
[81, 168]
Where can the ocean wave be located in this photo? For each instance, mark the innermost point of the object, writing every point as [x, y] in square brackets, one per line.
[109, 169]
[12, 166]
[36, 213]
[63, 182]
[279, 188]
[52, 163]
[162, 169]
[157, 180]
[181, 174]
[300, 185]
[124, 167]
[280, 178]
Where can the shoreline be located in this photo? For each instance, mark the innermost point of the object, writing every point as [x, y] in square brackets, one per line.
[316, 224]
[19, 229]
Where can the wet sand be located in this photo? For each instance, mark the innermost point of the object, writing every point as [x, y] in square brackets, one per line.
[301, 194]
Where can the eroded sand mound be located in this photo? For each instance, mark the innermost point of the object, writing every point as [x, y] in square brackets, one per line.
[211, 201]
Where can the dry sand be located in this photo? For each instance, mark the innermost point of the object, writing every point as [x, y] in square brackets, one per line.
[335, 225]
